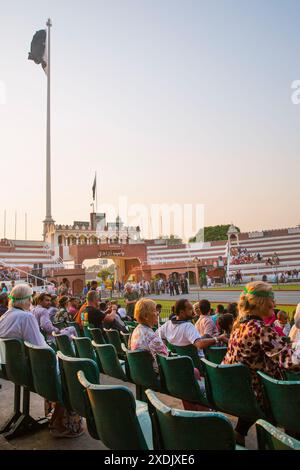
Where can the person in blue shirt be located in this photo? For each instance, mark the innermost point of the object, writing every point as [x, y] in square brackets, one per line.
[220, 310]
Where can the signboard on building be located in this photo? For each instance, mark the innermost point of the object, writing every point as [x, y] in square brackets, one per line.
[255, 234]
[110, 253]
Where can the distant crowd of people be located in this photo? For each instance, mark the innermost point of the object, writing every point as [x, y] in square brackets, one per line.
[234, 279]
[158, 286]
[273, 261]
[241, 255]
[8, 274]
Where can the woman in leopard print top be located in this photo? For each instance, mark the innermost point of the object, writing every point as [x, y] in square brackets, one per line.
[258, 345]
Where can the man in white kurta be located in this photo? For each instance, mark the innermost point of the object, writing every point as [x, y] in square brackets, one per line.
[19, 324]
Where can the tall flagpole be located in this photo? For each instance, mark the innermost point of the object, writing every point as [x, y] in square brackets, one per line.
[15, 225]
[96, 194]
[4, 224]
[48, 221]
[25, 225]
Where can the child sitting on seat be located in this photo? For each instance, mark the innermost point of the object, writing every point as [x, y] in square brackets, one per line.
[225, 324]
[282, 322]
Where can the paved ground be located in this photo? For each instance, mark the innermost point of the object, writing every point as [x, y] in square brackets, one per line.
[42, 440]
[282, 298]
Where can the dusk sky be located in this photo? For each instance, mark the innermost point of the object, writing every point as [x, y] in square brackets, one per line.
[169, 101]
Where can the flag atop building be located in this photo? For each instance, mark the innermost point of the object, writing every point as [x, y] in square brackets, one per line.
[38, 50]
[94, 187]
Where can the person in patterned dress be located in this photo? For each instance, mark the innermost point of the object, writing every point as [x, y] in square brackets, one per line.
[143, 336]
[258, 345]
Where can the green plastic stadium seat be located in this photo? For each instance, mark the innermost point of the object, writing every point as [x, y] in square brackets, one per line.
[18, 371]
[215, 354]
[17, 399]
[178, 377]
[124, 338]
[283, 398]
[191, 351]
[75, 325]
[116, 404]
[131, 323]
[17, 363]
[190, 430]
[64, 344]
[87, 332]
[291, 376]
[75, 397]
[97, 335]
[141, 371]
[44, 370]
[113, 337]
[171, 347]
[229, 390]
[111, 364]
[271, 438]
[85, 350]
[130, 328]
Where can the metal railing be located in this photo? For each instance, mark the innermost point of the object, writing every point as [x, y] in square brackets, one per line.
[27, 274]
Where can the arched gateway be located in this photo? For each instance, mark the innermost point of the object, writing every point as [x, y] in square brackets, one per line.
[128, 258]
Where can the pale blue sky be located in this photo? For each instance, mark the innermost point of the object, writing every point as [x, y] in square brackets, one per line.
[169, 101]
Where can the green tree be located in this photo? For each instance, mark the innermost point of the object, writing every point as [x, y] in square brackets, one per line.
[213, 233]
[104, 273]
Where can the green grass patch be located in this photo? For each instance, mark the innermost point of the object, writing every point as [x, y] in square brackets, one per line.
[276, 287]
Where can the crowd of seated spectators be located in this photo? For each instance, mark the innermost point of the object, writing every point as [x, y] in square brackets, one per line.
[9, 274]
[241, 255]
[273, 261]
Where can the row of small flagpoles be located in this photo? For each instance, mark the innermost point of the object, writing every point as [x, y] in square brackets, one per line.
[15, 224]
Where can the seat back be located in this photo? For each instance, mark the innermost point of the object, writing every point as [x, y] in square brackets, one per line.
[44, 371]
[109, 360]
[114, 412]
[17, 365]
[190, 430]
[171, 347]
[75, 325]
[64, 344]
[130, 328]
[283, 398]
[113, 337]
[140, 364]
[271, 438]
[229, 389]
[75, 398]
[87, 332]
[178, 377]
[191, 351]
[60, 325]
[131, 323]
[97, 335]
[291, 376]
[2, 360]
[125, 338]
[85, 350]
[215, 354]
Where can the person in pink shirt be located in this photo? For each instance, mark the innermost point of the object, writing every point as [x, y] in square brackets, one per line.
[270, 321]
[72, 307]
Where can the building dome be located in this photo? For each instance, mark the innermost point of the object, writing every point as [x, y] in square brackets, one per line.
[232, 230]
